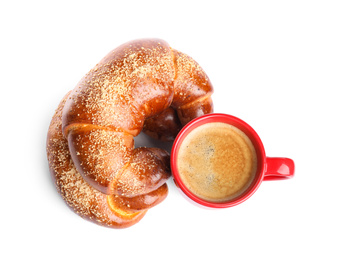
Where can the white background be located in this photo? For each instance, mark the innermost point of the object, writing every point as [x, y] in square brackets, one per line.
[272, 63]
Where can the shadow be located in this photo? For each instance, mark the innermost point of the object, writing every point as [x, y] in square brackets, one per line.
[144, 140]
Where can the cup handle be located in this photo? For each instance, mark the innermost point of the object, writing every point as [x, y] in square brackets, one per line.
[278, 168]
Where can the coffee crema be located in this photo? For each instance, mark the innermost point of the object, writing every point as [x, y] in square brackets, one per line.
[217, 162]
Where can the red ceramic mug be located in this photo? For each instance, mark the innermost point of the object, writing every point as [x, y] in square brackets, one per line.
[268, 168]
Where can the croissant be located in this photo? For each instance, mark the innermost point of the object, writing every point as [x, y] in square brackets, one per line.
[141, 85]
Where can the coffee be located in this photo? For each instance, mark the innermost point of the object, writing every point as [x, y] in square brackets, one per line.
[217, 162]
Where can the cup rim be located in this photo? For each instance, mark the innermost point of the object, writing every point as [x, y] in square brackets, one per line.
[242, 125]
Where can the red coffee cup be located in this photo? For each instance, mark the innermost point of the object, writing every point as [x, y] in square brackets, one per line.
[268, 168]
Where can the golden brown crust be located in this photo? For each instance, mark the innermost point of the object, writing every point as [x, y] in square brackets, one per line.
[132, 82]
[141, 202]
[90, 142]
[144, 173]
[82, 198]
[192, 98]
[192, 89]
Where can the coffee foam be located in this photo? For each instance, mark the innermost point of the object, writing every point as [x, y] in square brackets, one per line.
[217, 162]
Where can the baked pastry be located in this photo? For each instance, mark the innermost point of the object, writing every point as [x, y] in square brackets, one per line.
[141, 85]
